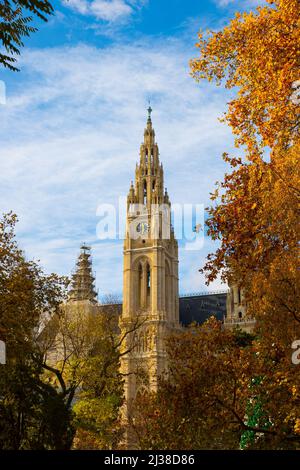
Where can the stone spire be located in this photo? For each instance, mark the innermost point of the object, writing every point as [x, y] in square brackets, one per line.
[150, 276]
[82, 284]
[149, 175]
[149, 113]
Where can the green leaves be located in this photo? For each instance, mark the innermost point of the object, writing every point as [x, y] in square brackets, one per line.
[15, 25]
[33, 414]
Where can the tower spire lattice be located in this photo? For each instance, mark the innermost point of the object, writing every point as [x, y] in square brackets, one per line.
[83, 281]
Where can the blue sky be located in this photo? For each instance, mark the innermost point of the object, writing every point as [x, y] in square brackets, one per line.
[74, 119]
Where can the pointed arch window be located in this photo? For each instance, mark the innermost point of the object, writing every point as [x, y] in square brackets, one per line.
[143, 283]
[140, 284]
[168, 290]
[148, 285]
[145, 192]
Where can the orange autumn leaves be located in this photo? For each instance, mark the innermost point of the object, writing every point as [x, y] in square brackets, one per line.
[259, 53]
[255, 216]
[255, 211]
[201, 403]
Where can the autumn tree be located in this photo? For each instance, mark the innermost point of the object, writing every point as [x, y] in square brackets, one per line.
[82, 347]
[258, 54]
[62, 372]
[201, 400]
[220, 392]
[32, 413]
[16, 23]
[254, 212]
[254, 208]
[97, 408]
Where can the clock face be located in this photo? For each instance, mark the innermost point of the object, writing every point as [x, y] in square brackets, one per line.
[142, 228]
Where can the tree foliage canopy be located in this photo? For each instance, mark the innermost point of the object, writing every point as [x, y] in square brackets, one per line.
[254, 212]
[16, 23]
[259, 54]
[81, 358]
[32, 413]
[223, 390]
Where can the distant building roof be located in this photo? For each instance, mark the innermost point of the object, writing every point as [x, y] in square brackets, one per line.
[199, 307]
[196, 307]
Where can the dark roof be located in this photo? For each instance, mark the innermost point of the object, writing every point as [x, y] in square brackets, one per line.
[195, 307]
[198, 308]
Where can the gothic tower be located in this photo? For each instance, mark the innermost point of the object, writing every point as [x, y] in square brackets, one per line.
[236, 310]
[150, 276]
[82, 284]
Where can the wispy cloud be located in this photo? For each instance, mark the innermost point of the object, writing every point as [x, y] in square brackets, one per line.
[77, 118]
[239, 3]
[105, 10]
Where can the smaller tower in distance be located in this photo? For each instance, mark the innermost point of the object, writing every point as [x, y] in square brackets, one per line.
[83, 281]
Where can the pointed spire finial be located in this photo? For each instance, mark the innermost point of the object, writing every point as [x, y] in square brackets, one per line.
[149, 112]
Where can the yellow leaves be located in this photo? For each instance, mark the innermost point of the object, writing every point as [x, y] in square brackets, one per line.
[294, 390]
[297, 426]
[281, 379]
[256, 217]
[258, 53]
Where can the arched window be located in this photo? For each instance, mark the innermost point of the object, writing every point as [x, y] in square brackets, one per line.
[148, 280]
[240, 315]
[143, 283]
[145, 192]
[148, 277]
[140, 284]
[168, 289]
[239, 295]
[232, 299]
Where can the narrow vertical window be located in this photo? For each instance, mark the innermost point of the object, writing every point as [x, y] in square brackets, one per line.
[140, 284]
[148, 280]
[145, 193]
[167, 289]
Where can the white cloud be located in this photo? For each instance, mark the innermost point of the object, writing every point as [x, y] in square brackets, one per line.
[81, 6]
[70, 135]
[240, 3]
[105, 10]
[110, 11]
